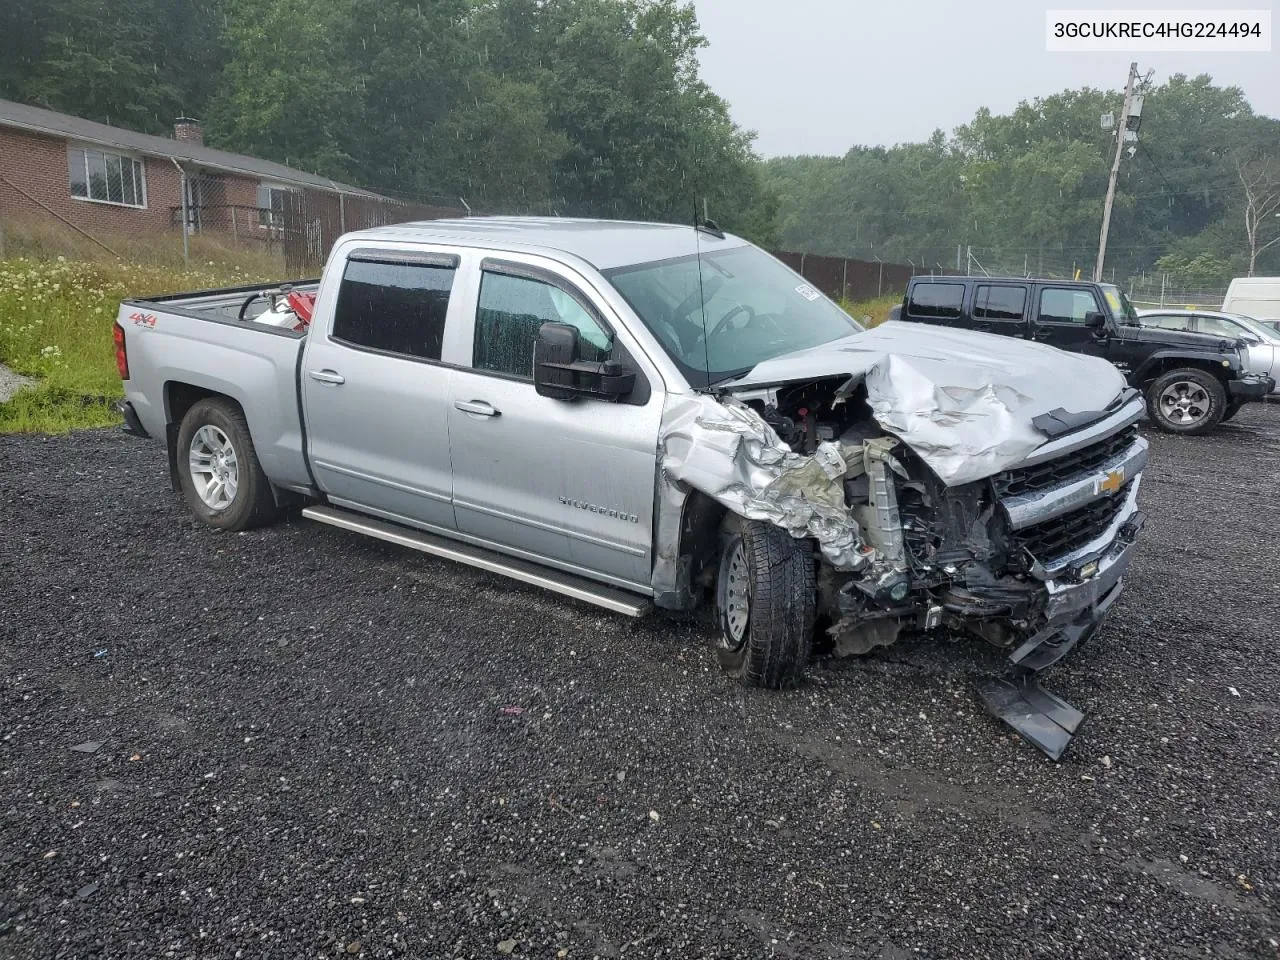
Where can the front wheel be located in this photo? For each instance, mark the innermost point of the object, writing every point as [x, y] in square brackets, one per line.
[765, 605]
[218, 468]
[1187, 401]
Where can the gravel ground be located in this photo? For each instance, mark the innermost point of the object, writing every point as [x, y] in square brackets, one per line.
[11, 383]
[310, 747]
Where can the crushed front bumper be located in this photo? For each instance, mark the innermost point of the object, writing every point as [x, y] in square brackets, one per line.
[1251, 387]
[1080, 596]
[1080, 588]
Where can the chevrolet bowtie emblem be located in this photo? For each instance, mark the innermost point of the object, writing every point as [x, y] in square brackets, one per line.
[1111, 482]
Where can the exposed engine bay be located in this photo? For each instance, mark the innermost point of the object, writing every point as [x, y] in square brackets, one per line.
[938, 556]
[1027, 558]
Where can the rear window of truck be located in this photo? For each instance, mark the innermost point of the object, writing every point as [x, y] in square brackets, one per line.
[943, 300]
[394, 307]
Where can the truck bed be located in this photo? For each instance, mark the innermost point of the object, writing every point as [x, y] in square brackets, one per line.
[179, 346]
[223, 304]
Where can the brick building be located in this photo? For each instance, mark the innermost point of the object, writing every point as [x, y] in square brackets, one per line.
[107, 180]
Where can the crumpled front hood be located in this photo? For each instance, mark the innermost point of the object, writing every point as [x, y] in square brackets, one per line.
[963, 401]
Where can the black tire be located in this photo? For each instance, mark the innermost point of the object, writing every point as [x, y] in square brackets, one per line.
[772, 651]
[251, 504]
[1231, 411]
[1208, 410]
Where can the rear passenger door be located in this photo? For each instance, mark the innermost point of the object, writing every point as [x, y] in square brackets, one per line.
[1060, 319]
[570, 482]
[375, 388]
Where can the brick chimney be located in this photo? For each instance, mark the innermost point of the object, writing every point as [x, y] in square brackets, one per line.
[188, 130]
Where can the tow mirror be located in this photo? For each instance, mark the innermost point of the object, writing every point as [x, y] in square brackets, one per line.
[559, 374]
[1095, 320]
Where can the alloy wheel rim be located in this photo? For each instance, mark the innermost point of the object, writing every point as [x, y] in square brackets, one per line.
[1185, 402]
[214, 467]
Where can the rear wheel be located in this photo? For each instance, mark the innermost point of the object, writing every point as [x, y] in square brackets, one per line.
[1187, 401]
[218, 469]
[765, 605]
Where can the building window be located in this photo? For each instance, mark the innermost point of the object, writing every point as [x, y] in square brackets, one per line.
[271, 205]
[106, 177]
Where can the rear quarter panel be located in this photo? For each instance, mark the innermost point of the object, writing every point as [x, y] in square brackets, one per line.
[254, 365]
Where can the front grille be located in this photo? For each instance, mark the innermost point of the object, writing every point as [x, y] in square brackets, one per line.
[1042, 476]
[1053, 538]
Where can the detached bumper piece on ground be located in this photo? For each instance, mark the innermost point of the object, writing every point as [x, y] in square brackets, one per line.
[1076, 612]
[1044, 720]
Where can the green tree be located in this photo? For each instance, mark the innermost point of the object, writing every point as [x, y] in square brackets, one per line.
[1026, 188]
[288, 91]
[645, 136]
[133, 63]
[496, 148]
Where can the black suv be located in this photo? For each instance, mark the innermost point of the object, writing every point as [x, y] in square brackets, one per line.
[1191, 381]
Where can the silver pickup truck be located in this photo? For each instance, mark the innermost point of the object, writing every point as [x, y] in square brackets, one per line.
[641, 415]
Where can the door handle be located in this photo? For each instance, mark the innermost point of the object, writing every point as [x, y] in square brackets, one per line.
[327, 376]
[478, 407]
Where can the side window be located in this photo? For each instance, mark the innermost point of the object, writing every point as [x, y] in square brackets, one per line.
[396, 307]
[1166, 321]
[1066, 306]
[1000, 303]
[942, 300]
[511, 310]
[1221, 328]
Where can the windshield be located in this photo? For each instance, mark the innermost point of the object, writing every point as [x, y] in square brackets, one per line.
[745, 308]
[1260, 330]
[1121, 309]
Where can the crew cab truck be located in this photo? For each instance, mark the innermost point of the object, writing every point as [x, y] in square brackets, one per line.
[1191, 381]
[641, 415]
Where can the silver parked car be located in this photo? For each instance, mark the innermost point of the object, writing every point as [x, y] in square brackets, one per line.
[1262, 353]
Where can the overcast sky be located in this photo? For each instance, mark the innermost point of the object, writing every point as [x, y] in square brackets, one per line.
[818, 76]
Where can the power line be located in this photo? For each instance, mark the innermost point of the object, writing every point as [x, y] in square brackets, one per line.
[1146, 152]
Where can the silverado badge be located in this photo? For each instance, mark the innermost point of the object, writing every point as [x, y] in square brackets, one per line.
[1110, 482]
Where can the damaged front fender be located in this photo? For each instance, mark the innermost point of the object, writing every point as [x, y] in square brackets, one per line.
[727, 451]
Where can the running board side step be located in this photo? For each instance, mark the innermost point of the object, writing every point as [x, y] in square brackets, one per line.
[566, 584]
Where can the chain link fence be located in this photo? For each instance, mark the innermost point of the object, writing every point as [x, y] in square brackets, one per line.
[847, 278]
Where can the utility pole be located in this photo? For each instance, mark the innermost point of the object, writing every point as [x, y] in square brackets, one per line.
[1115, 172]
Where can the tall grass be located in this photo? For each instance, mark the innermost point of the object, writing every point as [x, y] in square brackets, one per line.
[871, 313]
[56, 316]
[45, 240]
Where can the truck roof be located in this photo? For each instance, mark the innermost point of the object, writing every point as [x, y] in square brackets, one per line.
[604, 244]
[973, 278]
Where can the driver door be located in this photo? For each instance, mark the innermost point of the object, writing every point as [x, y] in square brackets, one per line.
[567, 482]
